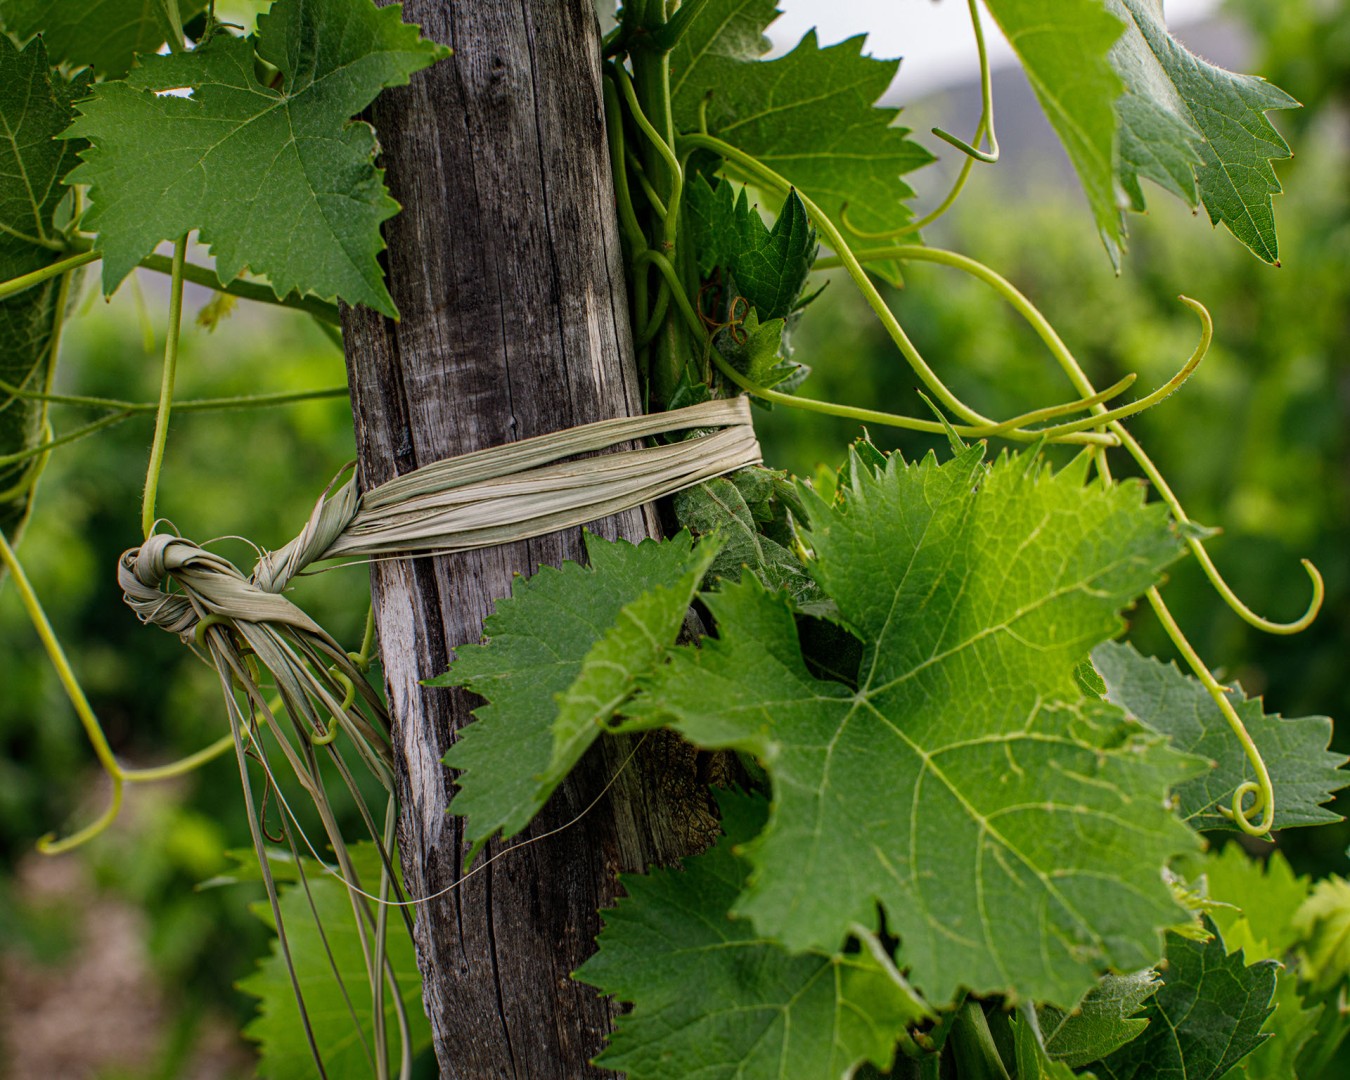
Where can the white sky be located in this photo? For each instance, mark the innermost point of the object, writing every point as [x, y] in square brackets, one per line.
[933, 37]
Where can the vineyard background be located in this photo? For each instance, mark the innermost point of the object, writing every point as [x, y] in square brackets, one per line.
[117, 934]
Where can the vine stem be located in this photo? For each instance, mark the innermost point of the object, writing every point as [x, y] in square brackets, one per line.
[1207, 563]
[985, 125]
[652, 69]
[46, 273]
[167, 378]
[983, 128]
[1262, 789]
[665, 36]
[1263, 805]
[198, 275]
[628, 221]
[663, 149]
[653, 199]
[238, 401]
[182, 766]
[48, 844]
[49, 444]
[871, 416]
[363, 658]
[54, 343]
[618, 153]
[247, 290]
[1009, 429]
[763, 174]
[70, 683]
[1073, 370]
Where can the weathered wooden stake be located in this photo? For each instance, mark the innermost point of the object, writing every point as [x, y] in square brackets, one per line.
[505, 265]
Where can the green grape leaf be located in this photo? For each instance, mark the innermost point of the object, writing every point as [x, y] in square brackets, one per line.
[1155, 143]
[563, 654]
[1303, 771]
[862, 455]
[755, 349]
[104, 34]
[1103, 1021]
[277, 180]
[1129, 102]
[1066, 61]
[721, 35]
[769, 265]
[712, 998]
[1014, 834]
[1291, 1027]
[1184, 121]
[1322, 923]
[1034, 1062]
[242, 865]
[344, 1046]
[1265, 895]
[35, 107]
[721, 507]
[1318, 1052]
[808, 115]
[1205, 1018]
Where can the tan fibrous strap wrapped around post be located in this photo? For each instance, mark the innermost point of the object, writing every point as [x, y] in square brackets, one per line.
[489, 497]
[243, 626]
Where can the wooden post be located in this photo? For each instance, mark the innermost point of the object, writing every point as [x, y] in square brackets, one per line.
[506, 268]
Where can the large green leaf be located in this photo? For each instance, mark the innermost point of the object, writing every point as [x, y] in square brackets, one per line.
[34, 108]
[343, 1034]
[276, 179]
[1157, 141]
[1181, 113]
[1303, 771]
[1129, 102]
[713, 999]
[1066, 61]
[1291, 1027]
[809, 116]
[1014, 834]
[1206, 1017]
[563, 654]
[721, 35]
[104, 34]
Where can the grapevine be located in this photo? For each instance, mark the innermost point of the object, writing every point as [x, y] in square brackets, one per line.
[970, 834]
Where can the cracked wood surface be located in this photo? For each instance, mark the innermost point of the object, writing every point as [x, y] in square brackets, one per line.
[506, 268]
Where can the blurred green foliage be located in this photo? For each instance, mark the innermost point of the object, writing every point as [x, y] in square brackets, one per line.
[252, 473]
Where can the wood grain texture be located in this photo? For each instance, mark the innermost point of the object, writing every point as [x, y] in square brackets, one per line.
[506, 268]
